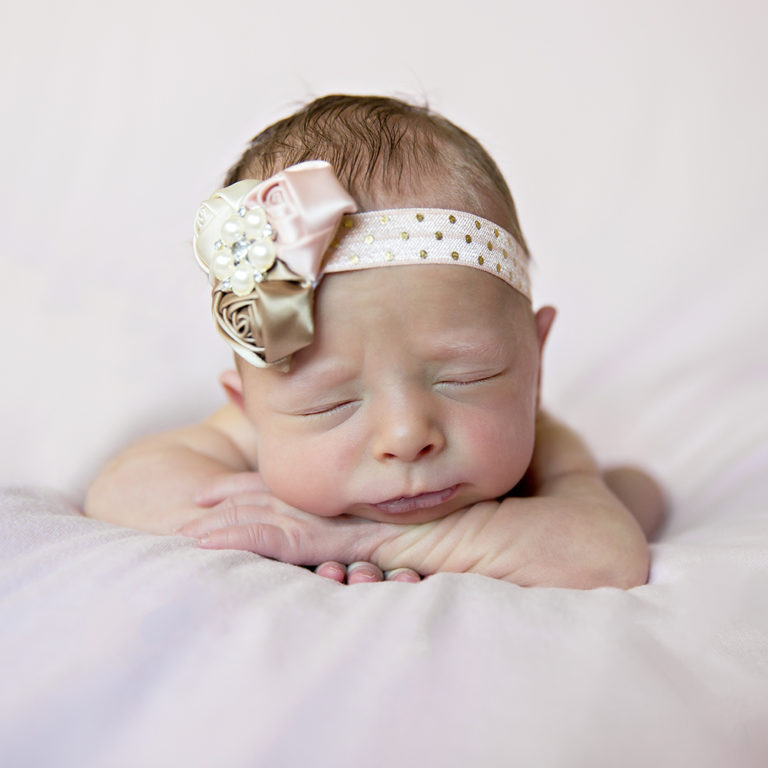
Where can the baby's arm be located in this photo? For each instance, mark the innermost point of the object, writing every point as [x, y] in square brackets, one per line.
[641, 495]
[152, 485]
[572, 532]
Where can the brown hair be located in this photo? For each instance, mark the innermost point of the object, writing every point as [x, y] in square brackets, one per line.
[376, 142]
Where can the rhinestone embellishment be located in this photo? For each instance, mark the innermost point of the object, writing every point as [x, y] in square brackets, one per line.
[245, 251]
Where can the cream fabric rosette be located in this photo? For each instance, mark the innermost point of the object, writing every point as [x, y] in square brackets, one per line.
[262, 245]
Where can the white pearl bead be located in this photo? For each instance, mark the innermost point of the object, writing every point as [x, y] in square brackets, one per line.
[254, 220]
[242, 280]
[223, 265]
[232, 230]
[262, 255]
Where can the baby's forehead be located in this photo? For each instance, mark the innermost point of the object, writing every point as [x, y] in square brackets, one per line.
[446, 301]
[407, 319]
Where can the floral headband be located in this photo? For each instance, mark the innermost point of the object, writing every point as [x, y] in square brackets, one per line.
[266, 245]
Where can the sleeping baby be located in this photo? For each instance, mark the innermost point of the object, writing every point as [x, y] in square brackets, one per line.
[368, 269]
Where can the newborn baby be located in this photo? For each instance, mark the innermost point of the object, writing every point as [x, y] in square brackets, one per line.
[385, 403]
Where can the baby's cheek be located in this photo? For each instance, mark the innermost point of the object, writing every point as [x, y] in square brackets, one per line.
[302, 479]
[499, 450]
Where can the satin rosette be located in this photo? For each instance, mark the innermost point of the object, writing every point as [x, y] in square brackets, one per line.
[262, 245]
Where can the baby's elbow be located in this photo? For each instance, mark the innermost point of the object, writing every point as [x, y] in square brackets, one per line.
[621, 561]
[605, 563]
[104, 491]
[634, 569]
[624, 567]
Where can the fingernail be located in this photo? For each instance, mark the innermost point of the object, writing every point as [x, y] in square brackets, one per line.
[203, 540]
[334, 572]
[363, 569]
[358, 567]
[398, 573]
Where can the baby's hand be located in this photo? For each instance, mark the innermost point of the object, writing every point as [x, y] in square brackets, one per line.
[240, 503]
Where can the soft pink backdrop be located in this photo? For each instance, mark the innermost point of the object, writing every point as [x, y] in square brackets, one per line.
[632, 135]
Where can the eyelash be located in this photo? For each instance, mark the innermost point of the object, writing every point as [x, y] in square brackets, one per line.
[454, 382]
[328, 409]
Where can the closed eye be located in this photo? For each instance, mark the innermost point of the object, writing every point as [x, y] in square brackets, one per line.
[324, 410]
[466, 379]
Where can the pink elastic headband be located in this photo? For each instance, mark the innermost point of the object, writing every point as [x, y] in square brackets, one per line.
[266, 245]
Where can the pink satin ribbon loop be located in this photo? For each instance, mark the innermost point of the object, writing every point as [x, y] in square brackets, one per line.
[304, 203]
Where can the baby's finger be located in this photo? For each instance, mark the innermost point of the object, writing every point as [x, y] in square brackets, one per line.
[402, 574]
[228, 514]
[332, 570]
[289, 534]
[261, 538]
[230, 484]
[275, 541]
[363, 573]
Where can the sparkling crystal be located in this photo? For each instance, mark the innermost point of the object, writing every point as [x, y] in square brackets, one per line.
[241, 212]
[258, 277]
[240, 248]
[267, 231]
[218, 245]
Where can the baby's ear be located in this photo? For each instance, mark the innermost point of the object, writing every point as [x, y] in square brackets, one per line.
[233, 386]
[544, 319]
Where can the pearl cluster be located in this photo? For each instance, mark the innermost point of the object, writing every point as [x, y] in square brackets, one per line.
[245, 251]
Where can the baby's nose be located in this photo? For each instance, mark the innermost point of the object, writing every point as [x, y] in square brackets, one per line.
[407, 432]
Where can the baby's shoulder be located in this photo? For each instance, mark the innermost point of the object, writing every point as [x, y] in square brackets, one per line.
[230, 431]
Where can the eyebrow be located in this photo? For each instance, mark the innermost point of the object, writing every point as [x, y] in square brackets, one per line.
[324, 376]
[486, 349]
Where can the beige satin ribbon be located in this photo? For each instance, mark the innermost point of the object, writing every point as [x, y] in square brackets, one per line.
[269, 324]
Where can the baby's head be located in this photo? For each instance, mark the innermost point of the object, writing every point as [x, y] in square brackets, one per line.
[386, 154]
[415, 389]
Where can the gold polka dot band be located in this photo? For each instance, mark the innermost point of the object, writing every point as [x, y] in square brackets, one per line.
[406, 236]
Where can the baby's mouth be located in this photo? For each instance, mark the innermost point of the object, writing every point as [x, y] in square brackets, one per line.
[405, 504]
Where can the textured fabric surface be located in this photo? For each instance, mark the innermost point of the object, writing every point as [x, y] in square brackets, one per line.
[120, 648]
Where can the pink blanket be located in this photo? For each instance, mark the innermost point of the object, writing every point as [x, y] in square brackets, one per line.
[120, 648]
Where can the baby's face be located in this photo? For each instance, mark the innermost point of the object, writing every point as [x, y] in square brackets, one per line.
[417, 398]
